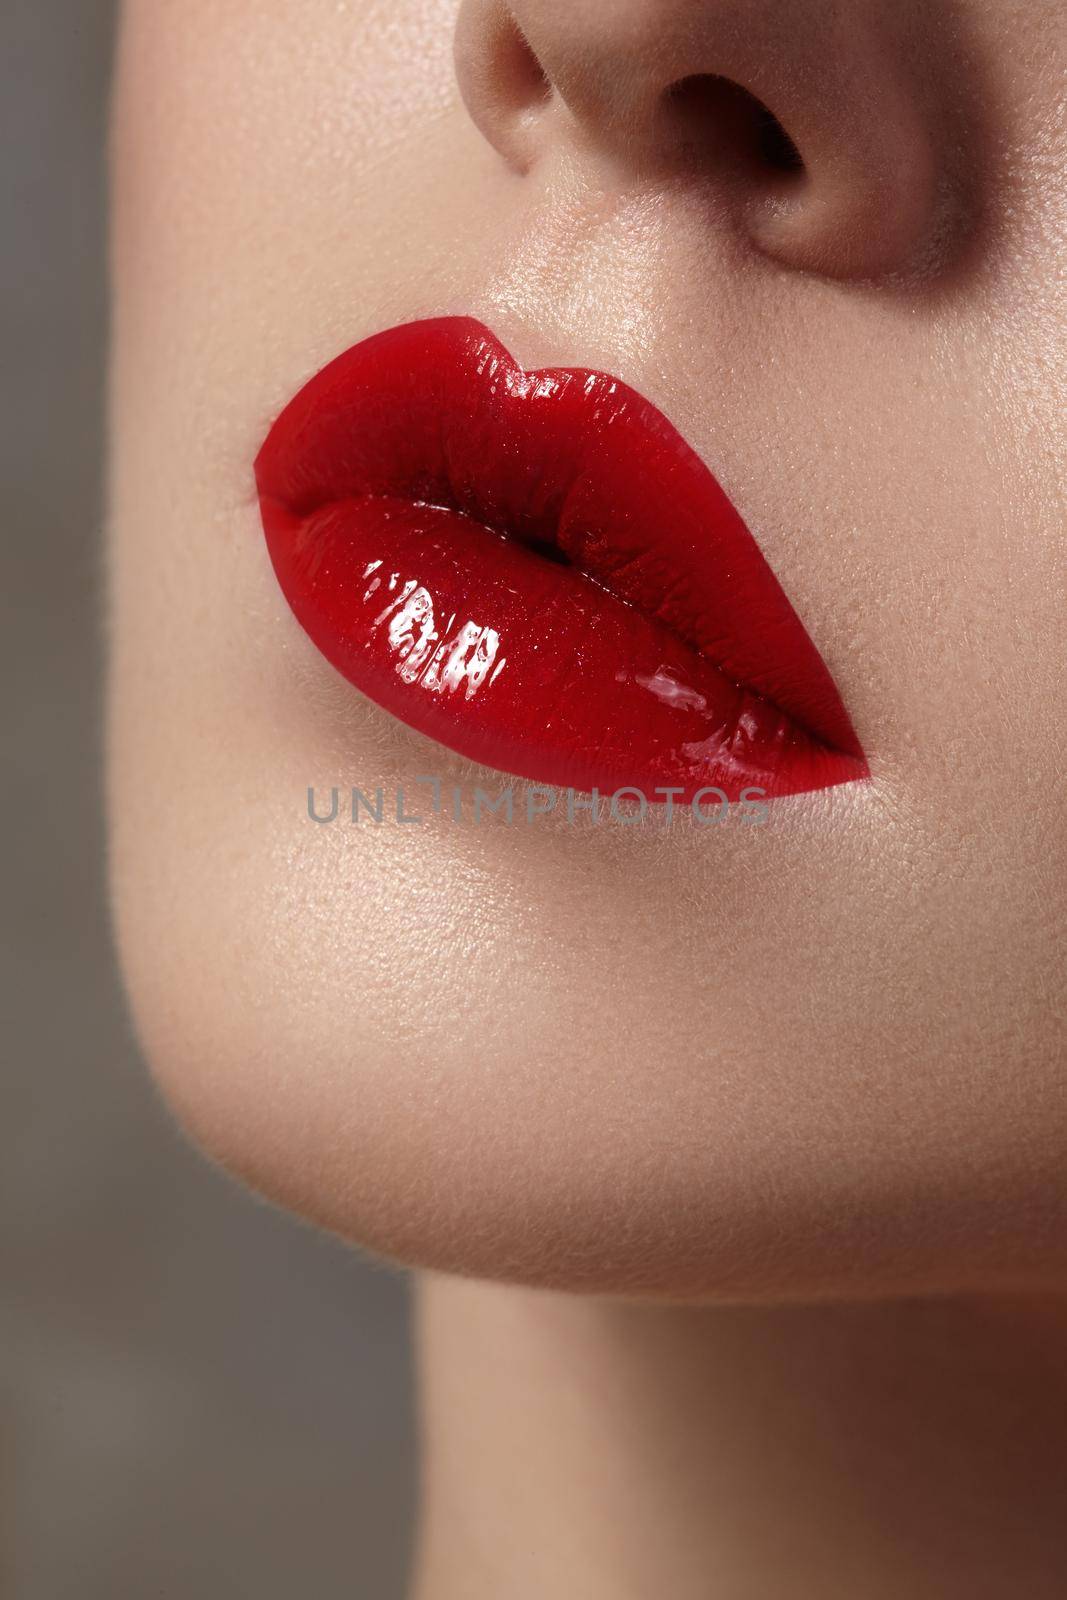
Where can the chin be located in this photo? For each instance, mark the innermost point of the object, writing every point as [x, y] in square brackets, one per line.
[512, 1150]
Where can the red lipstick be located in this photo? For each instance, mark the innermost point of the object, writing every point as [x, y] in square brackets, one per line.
[535, 569]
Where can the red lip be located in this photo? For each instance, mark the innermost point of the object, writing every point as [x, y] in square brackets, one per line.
[535, 569]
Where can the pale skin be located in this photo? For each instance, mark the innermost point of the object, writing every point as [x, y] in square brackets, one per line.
[731, 1162]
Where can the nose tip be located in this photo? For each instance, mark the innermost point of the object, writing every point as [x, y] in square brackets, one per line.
[815, 126]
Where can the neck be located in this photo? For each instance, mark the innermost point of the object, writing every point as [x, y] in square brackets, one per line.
[577, 1447]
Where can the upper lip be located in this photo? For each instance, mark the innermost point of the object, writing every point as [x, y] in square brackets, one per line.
[575, 465]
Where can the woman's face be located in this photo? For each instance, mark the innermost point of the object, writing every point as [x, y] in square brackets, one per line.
[822, 1054]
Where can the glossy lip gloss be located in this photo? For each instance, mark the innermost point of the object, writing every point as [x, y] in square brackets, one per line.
[536, 570]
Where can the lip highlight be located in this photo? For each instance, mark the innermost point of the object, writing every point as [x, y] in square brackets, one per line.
[535, 569]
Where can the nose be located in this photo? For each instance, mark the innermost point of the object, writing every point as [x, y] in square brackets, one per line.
[820, 125]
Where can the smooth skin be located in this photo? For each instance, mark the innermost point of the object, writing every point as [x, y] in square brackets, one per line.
[782, 1109]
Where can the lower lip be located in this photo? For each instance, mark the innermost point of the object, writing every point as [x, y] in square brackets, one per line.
[534, 569]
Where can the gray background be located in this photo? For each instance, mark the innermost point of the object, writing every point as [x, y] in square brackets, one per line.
[199, 1397]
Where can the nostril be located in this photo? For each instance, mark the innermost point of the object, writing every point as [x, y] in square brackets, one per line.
[775, 146]
[711, 117]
